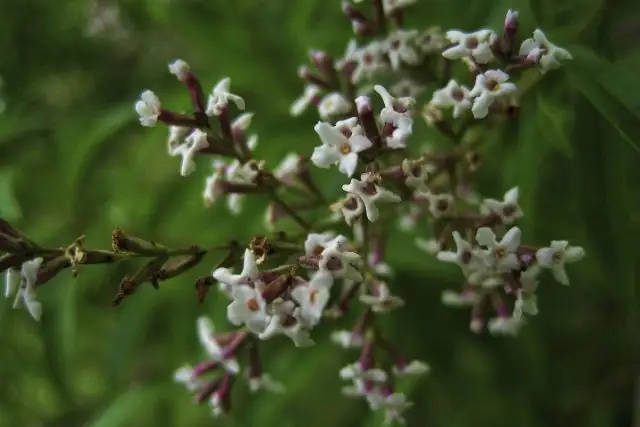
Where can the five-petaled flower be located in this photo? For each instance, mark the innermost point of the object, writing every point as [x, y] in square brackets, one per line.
[489, 87]
[556, 256]
[539, 49]
[476, 45]
[341, 145]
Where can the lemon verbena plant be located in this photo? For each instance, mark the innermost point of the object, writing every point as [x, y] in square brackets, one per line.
[285, 283]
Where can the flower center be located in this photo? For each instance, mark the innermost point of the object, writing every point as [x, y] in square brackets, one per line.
[472, 43]
[351, 204]
[313, 295]
[367, 58]
[253, 305]
[465, 257]
[370, 189]
[500, 253]
[395, 44]
[457, 95]
[442, 205]
[492, 85]
[557, 257]
[334, 263]
[345, 148]
[509, 210]
[317, 250]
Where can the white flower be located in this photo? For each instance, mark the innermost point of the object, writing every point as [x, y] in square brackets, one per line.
[464, 256]
[397, 113]
[368, 190]
[177, 135]
[196, 141]
[248, 308]
[453, 95]
[220, 98]
[286, 321]
[288, 168]
[368, 60]
[556, 256]
[347, 339]
[148, 108]
[416, 174]
[248, 276]
[455, 299]
[185, 376]
[316, 243]
[505, 325]
[26, 291]
[406, 88]
[489, 87]
[431, 40]
[180, 69]
[265, 382]
[12, 282]
[309, 96]
[354, 371]
[340, 263]
[361, 388]
[500, 255]
[213, 188]
[383, 300]
[430, 246]
[313, 297]
[394, 407]
[206, 334]
[440, 205]
[333, 104]
[400, 48]
[391, 6]
[539, 49]
[476, 45]
[415, 367]
[508, 209]
[340, 145]
[351, 208]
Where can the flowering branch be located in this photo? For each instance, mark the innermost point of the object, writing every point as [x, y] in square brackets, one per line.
[366, 101]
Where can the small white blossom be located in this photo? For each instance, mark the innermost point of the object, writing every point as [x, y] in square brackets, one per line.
[500, 255]
[391, 6]
[148, 108]
[315, 243]
[416, 174]
[383, 300]
[401, 49]
[464, 256]
[556, 256]
[206, 334]
[286, 321]
[489, 87]
[453, 95]
[332, 105]
[338, 262]
[177, 135]
[431, 41]
[288, 168]
[341, 145]
[313, 297]
[351, 208]
[213, 188]
[394, 407]
[369, 60]
[248, 276]
[430, 246]
[440, 205]
[220, 98]
[247, 308]
[347, 339]
[397, 113]
[508, 209]
[406, 88]
[368, 190]
[354, 371]
[509, 326]
[309, 96]
[415, 367]
[265, 382]
[25, 292]
[476, 45]
[539, 49]
[180, 69]
[455, 299]
[196, 141]
[12, 282]
[185, 376]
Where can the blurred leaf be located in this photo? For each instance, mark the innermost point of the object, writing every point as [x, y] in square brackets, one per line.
[9, 206]
[125, 407]
[552, 117]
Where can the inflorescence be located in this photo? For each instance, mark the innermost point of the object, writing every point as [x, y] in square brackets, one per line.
[290, 282]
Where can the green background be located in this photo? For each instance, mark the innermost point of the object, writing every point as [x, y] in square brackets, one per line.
[73, 160]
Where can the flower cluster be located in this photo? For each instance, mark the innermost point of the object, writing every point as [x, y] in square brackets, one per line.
[289, 283]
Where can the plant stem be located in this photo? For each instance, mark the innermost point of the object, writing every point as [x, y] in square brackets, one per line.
[289, 210]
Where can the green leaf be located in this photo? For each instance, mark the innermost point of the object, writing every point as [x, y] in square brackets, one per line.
[619, 82]
[552, 117]
[125, 407]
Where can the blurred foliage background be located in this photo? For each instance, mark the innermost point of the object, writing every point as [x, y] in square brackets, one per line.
[73, 160]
